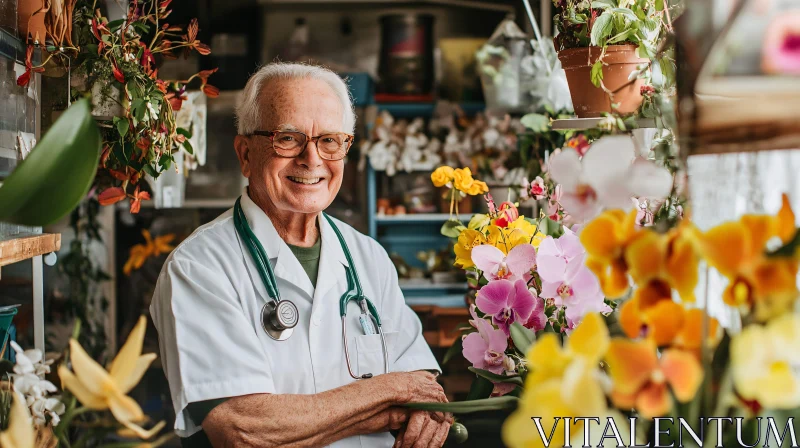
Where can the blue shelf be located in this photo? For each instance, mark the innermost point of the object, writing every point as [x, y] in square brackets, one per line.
[420, 218]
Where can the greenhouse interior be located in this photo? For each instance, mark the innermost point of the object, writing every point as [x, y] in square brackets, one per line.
[534, 223]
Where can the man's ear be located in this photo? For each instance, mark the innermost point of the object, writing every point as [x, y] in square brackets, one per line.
[242, 145]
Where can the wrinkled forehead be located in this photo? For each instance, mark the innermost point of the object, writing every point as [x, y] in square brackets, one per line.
[300, 104]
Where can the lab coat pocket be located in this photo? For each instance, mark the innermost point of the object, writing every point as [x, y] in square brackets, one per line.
[370, 352]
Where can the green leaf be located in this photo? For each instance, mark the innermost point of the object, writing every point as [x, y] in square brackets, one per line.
[187, 145]
[523, 337]
[604, 4]
[536, 122]
[478, 220]
[41, 189]
[184, 132]
[626, 13]
[597, 73]
[480, 388]
[452, 228]
[140, 27]
[787, 250]
[114, 25]
[623, 36]
[138, 107]
[602, 28]
[493, 377]
[150, 170]
[122, 125]
[659, 5]
[465, 407]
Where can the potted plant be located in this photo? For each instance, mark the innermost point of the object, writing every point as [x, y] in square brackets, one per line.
[604, 46]
[115, 64]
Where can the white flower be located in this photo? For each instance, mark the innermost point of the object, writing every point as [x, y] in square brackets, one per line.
[28, 377]
[607, 177]
[43, 407]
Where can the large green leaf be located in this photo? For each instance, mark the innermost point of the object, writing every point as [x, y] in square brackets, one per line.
[536, 122]
[480, 388]
[522, 337]
[57, 173]
[495, 377]
[602, 28]
[466, 407]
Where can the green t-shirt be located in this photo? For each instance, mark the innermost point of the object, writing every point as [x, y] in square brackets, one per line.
[309, 260]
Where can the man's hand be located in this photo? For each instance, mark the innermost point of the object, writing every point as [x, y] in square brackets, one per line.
[423, 431]
[415, 387]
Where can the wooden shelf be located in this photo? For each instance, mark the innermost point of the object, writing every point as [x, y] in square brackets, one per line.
[581, 124]
[23, 247]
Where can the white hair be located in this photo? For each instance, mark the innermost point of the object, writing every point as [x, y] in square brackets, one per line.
[248, 112]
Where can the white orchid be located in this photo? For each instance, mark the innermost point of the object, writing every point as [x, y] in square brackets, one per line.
[606, 177]
[28, 377]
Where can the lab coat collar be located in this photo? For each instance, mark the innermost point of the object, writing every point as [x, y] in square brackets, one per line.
[285, 264]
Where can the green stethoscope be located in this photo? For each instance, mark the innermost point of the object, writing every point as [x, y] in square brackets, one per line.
[279, 317]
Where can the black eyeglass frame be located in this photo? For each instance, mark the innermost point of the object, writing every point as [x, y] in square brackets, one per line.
[272, 134]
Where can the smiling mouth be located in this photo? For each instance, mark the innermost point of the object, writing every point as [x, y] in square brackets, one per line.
[305, 180]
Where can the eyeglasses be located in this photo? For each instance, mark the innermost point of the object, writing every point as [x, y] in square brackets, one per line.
[333, 146]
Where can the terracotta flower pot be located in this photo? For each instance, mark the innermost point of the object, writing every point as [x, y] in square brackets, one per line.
[590, 101]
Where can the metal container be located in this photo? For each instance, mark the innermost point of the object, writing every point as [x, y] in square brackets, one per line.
[406, 58]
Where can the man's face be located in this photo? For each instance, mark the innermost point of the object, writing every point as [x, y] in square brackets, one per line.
[307, 183]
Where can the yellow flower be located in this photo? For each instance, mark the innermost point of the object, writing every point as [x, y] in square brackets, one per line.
[462, 179]
[670, 259]
[442, 176]
[152, 248]
[563, 383]
[737, 251]
[605, 239]
[518, 232]
[467, 240]
[477, 188]
[764, 362]
[98, 389]
[20, 433]
[642, 380]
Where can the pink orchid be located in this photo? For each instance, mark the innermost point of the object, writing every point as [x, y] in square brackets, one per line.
[485, 349]
[537, 189]
[507, 302]
[496, 265]
[567, 280]
[490, 204]
[538, 319]
[606, 177]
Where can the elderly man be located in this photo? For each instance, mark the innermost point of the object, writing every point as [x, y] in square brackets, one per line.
[248, 308]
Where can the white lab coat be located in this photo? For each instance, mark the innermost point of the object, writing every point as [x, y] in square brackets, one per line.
[207, 309]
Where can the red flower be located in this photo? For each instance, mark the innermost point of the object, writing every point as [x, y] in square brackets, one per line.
[211, 91]
[147, 58]
[579, 143]
[118, 75]
[191, 39]
[136, 200]
[647, 90]
[119, 175]
[25, 78]
[175, 100]
[164, 4]
[104, 155]
[111, 196]
[506, 214]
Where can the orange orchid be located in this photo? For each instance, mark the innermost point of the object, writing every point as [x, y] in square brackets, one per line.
[670, 258]
[642, 380]
[153, 247]
[738, 251]
[605, 239]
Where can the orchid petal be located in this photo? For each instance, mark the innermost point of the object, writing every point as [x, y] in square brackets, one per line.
[487, 258]
[645, 179]
[683, 373]
[474, 349]
[125, 362]
[630, 364]
[607, 160]
[551, 269]
[521, 260]
[565, 168]
[523, 301]
[590, 338]
[85, 396]
[91, 375]
[493, 298]
[653, 401]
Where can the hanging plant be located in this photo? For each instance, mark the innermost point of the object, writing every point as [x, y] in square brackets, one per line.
[114, 62]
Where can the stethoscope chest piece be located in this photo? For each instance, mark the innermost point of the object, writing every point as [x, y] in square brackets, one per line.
[279, 319]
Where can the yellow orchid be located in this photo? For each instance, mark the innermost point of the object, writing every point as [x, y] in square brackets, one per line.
[669, 258]
[477, 187]
[764, 362]
[467, 240]
[563, 383]
[98, 389]
[737, 251]
[152, 248]
[20, 432]
[520, 231]
[605, 239]
[442, 176]
[641, 379]
[462, 179]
